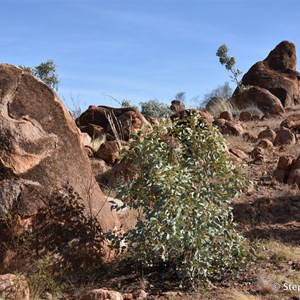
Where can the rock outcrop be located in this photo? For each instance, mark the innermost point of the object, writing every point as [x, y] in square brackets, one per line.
[115, 123]
[276, 75]
[261, 98]
[177, 106]
[113, 127]
[40, 149]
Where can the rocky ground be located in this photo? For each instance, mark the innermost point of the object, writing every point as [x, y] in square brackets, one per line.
[267, 213]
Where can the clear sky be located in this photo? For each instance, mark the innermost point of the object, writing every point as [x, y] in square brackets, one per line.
[142, 49]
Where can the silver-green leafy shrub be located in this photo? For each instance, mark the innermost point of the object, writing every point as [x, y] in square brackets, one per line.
[154, 108]
[183, 188]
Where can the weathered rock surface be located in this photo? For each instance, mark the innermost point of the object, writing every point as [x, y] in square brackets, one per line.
[181, 115]
[239, 154]
[265, 143]
[245, 116]
[268, 134]
[231, 128]
[177, 105]
[283, 169]
[14, 287]
[102, 294]
[226, 115]
[294, 175]
[258, 155]
[40, 149]
[292, 122]
[276, 74]
[284, 137]
[261, 98]
[112, 121]
[109, 152]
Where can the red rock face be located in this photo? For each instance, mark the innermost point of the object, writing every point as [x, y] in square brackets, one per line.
[40, 149]
[260, 98]
[282, 57]
[277, 74]
[123, 119]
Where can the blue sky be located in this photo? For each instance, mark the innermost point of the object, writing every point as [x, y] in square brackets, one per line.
[142, 49]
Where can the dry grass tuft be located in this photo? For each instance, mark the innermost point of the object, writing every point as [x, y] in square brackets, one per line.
[236, 295]
[220, 105]
[97, 142]
[266, 286]
[279, 252]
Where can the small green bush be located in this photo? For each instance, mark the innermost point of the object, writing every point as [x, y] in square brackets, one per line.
[154, 108]
[183, 188]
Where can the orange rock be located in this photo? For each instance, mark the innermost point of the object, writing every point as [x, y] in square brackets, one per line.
[14, 287]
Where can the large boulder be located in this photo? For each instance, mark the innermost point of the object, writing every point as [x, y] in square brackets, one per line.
[259, 97]
[277, 74]
[267, 134]
[284, 137]
[116, 123]
[41, 151]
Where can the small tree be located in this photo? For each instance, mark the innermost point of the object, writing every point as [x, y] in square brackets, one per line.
[183, 188]
[229, 62]
[154, 108]
[46, 71]
[125, 103]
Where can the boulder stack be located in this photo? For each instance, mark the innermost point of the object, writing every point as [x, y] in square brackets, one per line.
[275, 75]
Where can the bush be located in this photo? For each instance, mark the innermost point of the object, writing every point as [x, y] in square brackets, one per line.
[183, 188]
[154, 108]
[46, 71]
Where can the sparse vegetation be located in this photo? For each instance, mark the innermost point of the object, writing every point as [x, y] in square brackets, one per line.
[154, 108]
[229, 62]
[63, 243]
[221, 92]
[237, 295]
[46, 71]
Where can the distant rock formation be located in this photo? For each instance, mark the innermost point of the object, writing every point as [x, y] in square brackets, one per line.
[40, 150]
[114, 125]
[276, 75]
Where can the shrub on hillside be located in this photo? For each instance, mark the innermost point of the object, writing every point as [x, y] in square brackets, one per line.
[183, 190]
[154, 108]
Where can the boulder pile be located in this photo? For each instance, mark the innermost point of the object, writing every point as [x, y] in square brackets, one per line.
[272, 84]
[111, 128]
